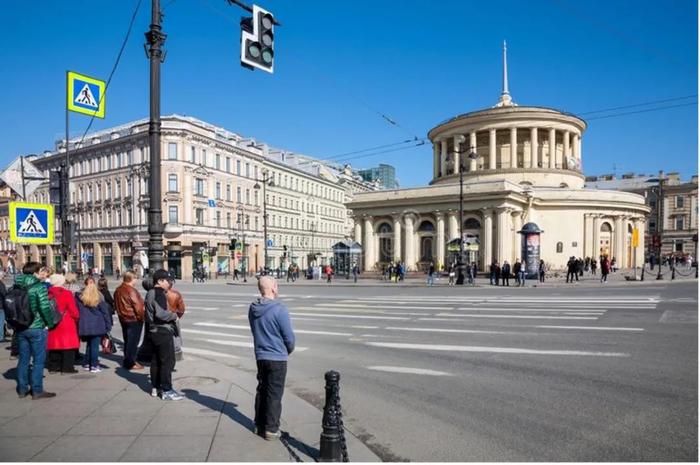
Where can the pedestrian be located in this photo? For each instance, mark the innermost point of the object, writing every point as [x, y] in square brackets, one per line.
[431, 274]
[516, 271]
[505, 274]
[470, 274]
[162, 329]
[604, 269]
[72, 282]
[130, 310]
[329, 273]
[63, 339]
[542, 270]
[493, 273]
[95, 322]
[613, 265]
[570, 267]
[103, 287]
[117, 273]
[579, 268]
[176, 304]
[402, 271]
[3, 291]
[521, 274]
[31, 341]
[451, 275]
[473, 271]
[355, 272]
[594, 266]
[273, 340]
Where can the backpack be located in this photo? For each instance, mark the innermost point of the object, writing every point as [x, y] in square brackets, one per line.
[56, 315]
[18, 312]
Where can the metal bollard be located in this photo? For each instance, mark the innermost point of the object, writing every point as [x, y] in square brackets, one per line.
[332, 435]
[643, 267]
[673, 273]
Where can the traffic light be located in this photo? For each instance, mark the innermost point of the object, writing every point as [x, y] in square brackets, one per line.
[55, 182]
[257, 38]
[233, 244]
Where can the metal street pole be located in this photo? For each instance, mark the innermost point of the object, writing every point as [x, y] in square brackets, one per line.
[155, 39]
[460, 264]
[659, 211]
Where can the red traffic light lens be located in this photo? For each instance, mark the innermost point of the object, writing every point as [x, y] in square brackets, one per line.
[266, 21]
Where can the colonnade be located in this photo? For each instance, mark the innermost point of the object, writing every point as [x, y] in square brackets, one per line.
[536, 147]
[620, 246]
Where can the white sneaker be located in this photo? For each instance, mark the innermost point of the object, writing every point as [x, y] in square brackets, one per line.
[86, 367]
[95, 370]
[171, 395]
[154, 392]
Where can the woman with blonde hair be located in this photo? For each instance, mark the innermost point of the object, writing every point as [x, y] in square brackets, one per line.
[95, 322]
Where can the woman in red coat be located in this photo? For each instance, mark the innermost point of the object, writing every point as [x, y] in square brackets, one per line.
[63, 339]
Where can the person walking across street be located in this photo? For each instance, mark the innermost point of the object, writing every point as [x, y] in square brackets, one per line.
[162, 328]
[63, 339]
[329, 273]
[130, 310]
[273, 340]
[95, 322]
[31, 340]
[505, 274]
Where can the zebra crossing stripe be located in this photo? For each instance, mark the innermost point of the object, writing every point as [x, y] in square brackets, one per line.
[494, 350]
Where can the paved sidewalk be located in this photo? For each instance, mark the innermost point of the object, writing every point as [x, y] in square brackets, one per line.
[110, 416]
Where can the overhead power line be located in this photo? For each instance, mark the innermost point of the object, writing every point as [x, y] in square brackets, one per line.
[114, 67]
[644, 111]
[407, 141]
[605, 110]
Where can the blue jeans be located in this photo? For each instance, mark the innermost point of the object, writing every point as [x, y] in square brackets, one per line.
[32, 343]
[92, 350]
[2, 325]
[431, 280]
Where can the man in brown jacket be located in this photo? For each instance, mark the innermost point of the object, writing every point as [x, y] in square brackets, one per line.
[130, 308]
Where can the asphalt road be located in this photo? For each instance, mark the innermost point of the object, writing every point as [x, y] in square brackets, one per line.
[597, 373]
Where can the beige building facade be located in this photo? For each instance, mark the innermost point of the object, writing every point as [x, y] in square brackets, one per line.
[520, 165]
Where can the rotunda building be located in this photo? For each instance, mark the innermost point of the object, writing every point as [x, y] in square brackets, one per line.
[520, 164]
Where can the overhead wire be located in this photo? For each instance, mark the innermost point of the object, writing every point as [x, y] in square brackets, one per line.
[653, 102]
[114, 67]
[643, 111]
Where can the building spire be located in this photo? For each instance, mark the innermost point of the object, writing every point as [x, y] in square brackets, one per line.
[505, 100]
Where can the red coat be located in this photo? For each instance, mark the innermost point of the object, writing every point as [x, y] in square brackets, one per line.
[65, 335]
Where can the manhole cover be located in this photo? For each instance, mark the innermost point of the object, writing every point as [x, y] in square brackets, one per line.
[187, 381]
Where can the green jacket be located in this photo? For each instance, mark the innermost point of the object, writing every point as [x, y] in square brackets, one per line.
[38, 300]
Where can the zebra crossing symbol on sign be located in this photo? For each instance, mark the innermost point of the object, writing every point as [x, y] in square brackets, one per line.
[31, 223]
[86, 95]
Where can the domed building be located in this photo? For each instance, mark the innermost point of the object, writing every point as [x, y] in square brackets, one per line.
[520, 165]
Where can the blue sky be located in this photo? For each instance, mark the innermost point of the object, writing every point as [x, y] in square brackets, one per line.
[341, 65]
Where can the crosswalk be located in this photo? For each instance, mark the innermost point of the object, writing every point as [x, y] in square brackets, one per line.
[380, 328]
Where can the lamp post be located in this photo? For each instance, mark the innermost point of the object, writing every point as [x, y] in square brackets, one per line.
[264, 181]
[472, 156]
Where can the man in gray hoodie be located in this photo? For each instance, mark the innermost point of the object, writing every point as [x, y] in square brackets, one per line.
[273, 339]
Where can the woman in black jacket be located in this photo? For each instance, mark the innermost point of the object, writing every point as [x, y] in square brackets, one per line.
[104, 290]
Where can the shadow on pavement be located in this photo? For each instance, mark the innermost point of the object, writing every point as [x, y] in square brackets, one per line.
[139, 378]
[229, 408]
[291, 441]
[10, 374]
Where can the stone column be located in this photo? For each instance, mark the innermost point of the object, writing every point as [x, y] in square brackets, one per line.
[492, 149]
[586, 235]
[440, 220]
[436, 160]
[368, 244]
[452, 226]
[117, 260]
[517, 226]
[552, 148]
[456, 155]
[577, 149]
[534, 148]
[443, 157]
[358, 231]
[513, 147]
[487, 253]
[472, 146]
[639, 223]
[410, 242]
[566, 155]
[595, 252]
[618, 241]
[97, 250]
[503, 226]
[397, 238]
[49, 257]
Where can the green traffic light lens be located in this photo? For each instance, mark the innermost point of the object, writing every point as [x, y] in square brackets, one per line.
[267, 56]
[254, 50]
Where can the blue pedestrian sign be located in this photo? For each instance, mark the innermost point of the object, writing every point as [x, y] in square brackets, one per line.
[86, 95]
[31, 223]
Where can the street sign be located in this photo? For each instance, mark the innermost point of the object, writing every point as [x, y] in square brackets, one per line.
[635, 237]
[212, 203]
[86, 95]
[270, 243]
[31, 223]
[13, 177]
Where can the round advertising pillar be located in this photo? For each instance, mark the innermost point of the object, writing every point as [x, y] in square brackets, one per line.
[530, 249]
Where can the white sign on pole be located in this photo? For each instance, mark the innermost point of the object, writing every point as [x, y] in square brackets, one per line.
[13, 177]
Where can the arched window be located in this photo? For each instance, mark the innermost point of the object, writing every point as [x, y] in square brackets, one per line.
[426, 226]
[560, 247]
[564, 185]
[605, 227]
[472, 223]
[385, 228]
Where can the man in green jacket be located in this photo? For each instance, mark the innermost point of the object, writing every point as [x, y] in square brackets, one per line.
[32, 341]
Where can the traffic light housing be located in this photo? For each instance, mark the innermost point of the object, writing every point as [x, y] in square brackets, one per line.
[257, 40]
[55, 189]
[232, 246]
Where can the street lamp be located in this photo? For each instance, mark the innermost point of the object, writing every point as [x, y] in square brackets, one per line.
[472, 156]
[658, 190]
[242, 224]
[264, 181]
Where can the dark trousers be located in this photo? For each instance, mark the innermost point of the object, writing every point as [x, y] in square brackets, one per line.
[61, 360]
[541, 276]
[163, 359]
[131, 332]
[268, 398]
[505, 281]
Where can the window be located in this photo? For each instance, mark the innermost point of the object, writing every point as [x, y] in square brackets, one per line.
[172, 151]
[238, 194]
[247, 170]
[193, 154]
[129, 188]
[652, 226]
[652, 203]
[89, 194]
[199, 187]
[679, 223]
[108, 195]
[247, 196]
[117, 189]
[172, 214]
[218, 190]
[679, 201]
[257, 199]
[228, 192]
[238, 167]
[228, 220]
[255, 171]
[172, 183]
[218, 218]
[256, 223]
[199, 216]
[130, 157]
[228, 164]
[118, 161]
[204, 157]
[217, 161]
[678, 246]
[109, 162]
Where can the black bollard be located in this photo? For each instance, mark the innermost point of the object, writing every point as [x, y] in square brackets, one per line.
[331, 436]
[673, 273]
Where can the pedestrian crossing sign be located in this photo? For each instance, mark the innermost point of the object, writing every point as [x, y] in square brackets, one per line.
[86, 95]
[31, 223]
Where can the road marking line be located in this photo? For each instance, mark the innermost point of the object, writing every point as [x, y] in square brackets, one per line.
[322, 333]
[239, 344]
[206, 309]
[408, 370]
[600, 328]
[495, 350]
[212, 333]
[361, 317]
[364, 327]
[221, 325]
[361, 310]
[445, 330]
[194, 351]
[355, 305]
[520, 309]
[532, 317]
